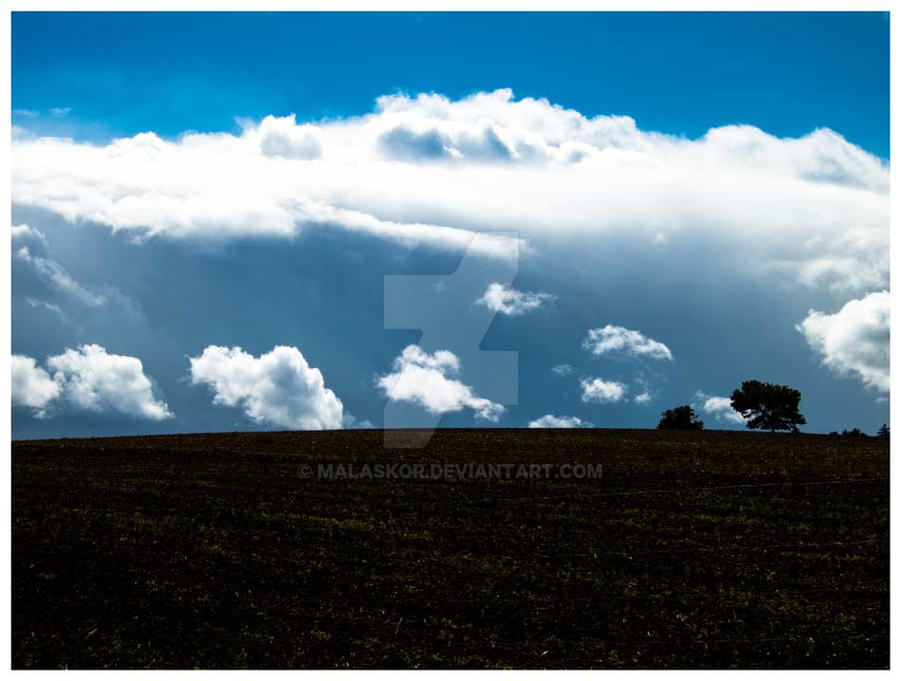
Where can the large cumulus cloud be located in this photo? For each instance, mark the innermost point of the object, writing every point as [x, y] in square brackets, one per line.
[427, 170]
[855, 340]
[277, 388]
[426, 379]
[31, 385]
[87, 378]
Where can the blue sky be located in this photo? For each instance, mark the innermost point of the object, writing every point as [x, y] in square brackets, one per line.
[661, 172]
[680, 73]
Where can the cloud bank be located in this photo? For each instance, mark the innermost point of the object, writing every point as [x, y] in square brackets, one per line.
[423, 379]
[427, 170]
[88, 379]
[855, 340]
[277, 388]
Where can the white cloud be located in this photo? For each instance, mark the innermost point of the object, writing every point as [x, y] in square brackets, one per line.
[353, 423]
[37, 303]
[428, 170]
[646, 394]
[56, 111]
[717, 407]
[32, 385]
[507, 300]
[25, 233]
[562, 369]
[283, 137]
[87, 379]
[855, 340]
[52, 272]
[278, 387]
[619, 339]
[598, 390]
[551, 421]
[643, 398]
[856, 262]
[95, 380]
[421, 378]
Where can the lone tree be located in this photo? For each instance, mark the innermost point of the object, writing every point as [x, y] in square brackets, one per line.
[884, 431]
[768, 406]
[680, 418]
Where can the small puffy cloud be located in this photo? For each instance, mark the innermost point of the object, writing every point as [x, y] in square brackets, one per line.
[422, 378]
[278, 387]
[598, 390]
[31, 385]
[643, 398]
[507, 300]
[87, 378]
[612, 338]
[563, 369]
[855, 340]
[717, 407]
[645, 393]
[551, 421]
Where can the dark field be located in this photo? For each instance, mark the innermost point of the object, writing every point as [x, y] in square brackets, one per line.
[703, 549]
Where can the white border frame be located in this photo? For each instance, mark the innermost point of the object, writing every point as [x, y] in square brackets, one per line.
[420, 6]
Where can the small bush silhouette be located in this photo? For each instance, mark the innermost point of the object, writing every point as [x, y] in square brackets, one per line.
[680, 418]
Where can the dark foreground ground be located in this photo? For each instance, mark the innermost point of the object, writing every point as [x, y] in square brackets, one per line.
[694, 550]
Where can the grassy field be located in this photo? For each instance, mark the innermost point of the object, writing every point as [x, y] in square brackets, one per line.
[694, 550]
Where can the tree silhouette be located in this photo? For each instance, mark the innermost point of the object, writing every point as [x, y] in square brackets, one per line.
[680, 418]
[768, 406]
[884, 431]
